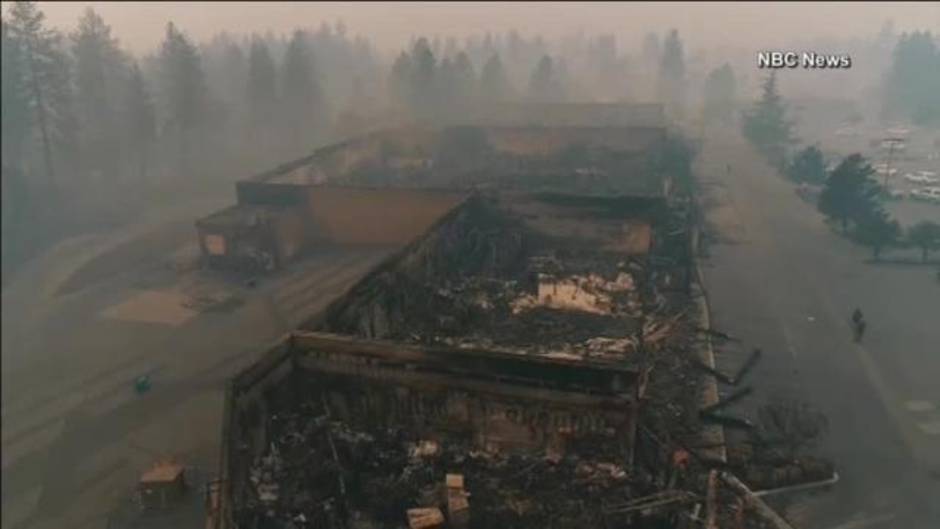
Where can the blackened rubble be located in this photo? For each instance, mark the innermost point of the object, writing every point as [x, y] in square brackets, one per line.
[374, 419]
[554, 276]
[320, 472]
[533, 274]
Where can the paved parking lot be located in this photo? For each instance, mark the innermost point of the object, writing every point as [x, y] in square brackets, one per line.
[75, 434]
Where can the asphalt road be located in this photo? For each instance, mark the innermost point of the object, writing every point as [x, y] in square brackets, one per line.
[75, 435]
[779, 278]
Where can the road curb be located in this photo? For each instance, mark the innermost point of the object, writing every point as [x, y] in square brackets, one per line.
[713, 435]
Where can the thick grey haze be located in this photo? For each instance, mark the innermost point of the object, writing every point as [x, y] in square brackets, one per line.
[140, 25]
[101, 266]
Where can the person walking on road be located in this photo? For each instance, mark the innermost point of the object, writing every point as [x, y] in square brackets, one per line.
[858, 324]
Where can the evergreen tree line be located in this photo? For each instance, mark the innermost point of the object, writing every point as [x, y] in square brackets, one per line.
[432, 87]
[88, 128]
[589, 67]
[911, 92]
[854, 199]
[435, 78]
[912, 85]
[851, 197]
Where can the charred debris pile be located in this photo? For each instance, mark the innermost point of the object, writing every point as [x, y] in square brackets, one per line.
[560, 277]
[556, 275]
[321, 468]
[326, 473]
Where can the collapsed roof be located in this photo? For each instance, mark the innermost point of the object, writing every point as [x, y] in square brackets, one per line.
[587, 159]
[537, 345]
[538, 274]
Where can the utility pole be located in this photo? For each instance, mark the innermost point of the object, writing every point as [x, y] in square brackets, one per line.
[893, 142]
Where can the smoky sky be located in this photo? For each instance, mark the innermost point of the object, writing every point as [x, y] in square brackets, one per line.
[140, 25]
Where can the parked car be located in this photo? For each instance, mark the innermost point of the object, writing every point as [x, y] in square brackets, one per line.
[896, 144]
[931, 194]
[898, 131]
[882, 169]
[897, 194]
[921, 177]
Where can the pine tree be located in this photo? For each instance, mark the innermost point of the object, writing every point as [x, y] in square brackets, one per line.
[352, 119]
[466, 81]
[424, 101]
[17, 122]
[100, 75]
[399, 81]
[46, 78]
[651, 57]
[767, 126]
[544, 85]
[566, 88]
[140, 119]
[652, 52]
[913, 86]
[305, 113]
[926, 236]
[672, 74]
[17, 127]
[262, 85]
[494, 83]
[184, 91]
[877, 230]
[850, 193]
[226, 66]
[450, 47]
[808, 166]
[720, 94]
[445, 96]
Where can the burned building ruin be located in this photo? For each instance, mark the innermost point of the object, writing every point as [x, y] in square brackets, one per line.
[388, 187]
[529, 359]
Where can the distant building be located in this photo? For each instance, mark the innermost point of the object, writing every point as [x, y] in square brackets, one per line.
[282, 213]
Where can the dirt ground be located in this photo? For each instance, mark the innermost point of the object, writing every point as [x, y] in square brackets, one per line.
[92, 315]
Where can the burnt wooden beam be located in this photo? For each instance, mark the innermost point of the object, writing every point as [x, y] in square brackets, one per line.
[727, 401]
[735, 379]
[575, 375]
[755, 502]
[728, 421]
